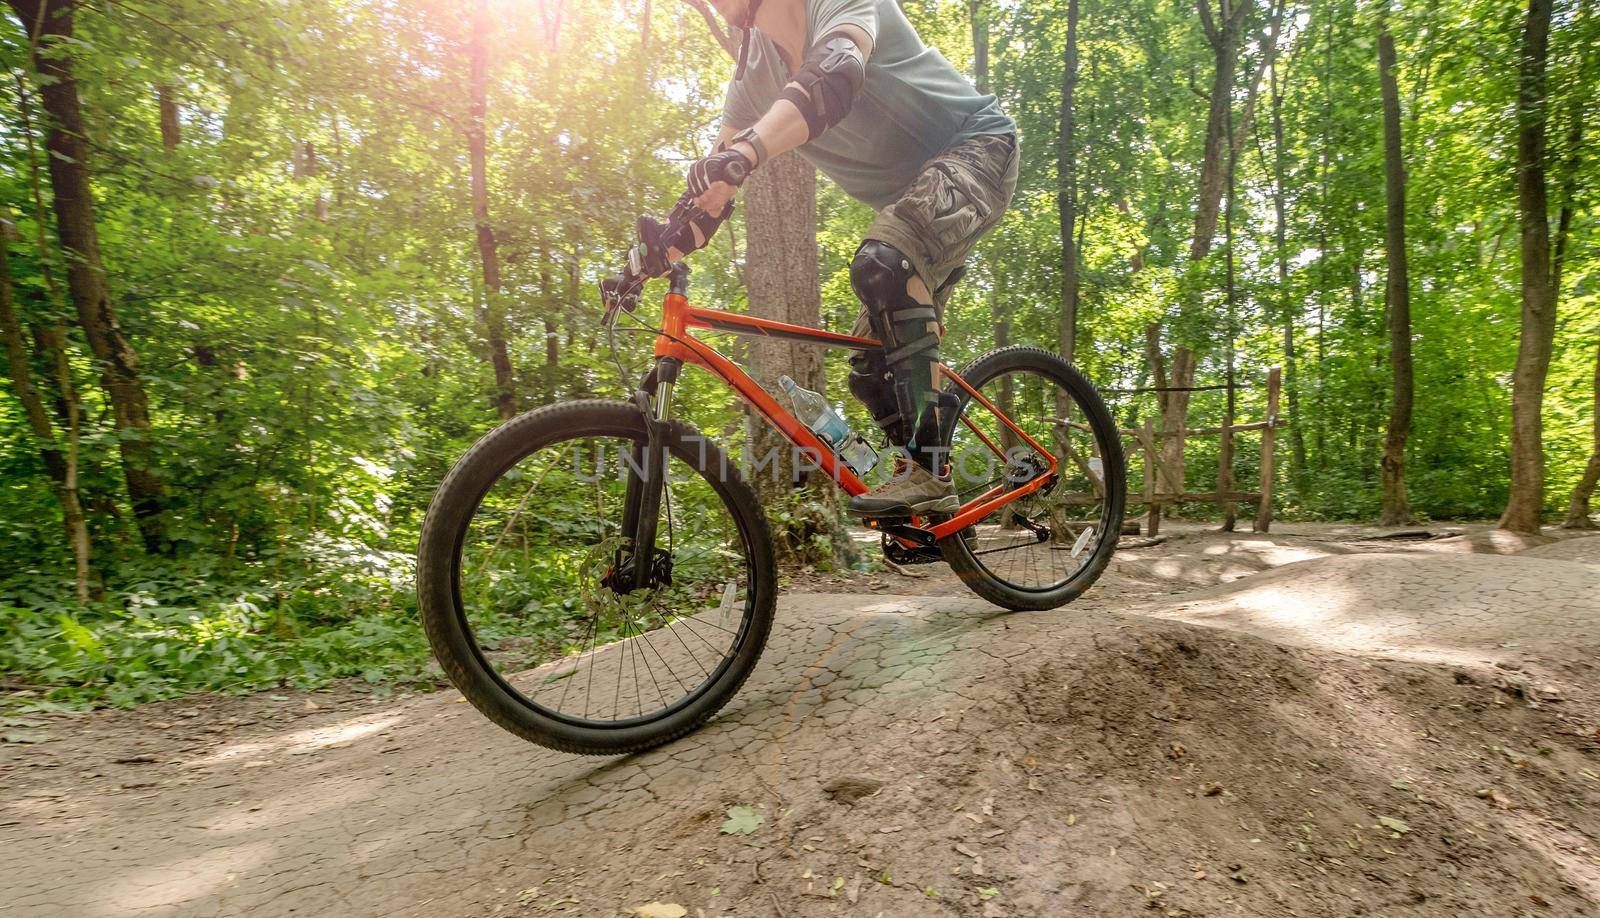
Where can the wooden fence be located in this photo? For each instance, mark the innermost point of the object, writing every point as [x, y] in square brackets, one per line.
[1146, 448]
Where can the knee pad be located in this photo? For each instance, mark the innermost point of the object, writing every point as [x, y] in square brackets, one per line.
[879, 273]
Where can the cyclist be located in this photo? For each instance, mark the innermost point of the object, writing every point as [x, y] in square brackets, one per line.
[851, 86]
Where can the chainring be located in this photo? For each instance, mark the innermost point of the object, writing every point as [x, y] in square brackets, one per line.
[920, 554]
[901, 555]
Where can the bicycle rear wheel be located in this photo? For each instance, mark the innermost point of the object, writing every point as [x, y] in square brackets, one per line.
[1044, 549]
[527, 589]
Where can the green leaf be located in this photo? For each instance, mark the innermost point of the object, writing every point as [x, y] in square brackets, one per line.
[742, 820]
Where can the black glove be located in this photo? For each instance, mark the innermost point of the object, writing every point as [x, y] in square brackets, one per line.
[728, 166]
[648, 258]
[706, 224]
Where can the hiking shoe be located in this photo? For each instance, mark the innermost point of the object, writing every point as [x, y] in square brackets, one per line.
[911, 491]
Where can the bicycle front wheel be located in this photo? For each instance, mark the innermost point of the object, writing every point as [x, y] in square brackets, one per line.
[1044, 549]
[527, 588]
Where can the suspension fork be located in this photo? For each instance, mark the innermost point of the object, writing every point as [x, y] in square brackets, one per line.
[641, 513]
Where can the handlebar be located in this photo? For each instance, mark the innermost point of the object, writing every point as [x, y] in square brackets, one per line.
[648, 258]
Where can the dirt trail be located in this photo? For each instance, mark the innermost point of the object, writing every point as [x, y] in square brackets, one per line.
[1315, 725]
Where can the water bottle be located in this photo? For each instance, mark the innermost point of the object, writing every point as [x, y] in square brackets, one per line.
[813, 411]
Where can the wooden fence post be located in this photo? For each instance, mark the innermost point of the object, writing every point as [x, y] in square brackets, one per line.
[1147, 439]
[1225, 483]
[1268, 435]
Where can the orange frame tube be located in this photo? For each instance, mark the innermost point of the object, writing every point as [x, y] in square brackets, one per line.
[677, 343]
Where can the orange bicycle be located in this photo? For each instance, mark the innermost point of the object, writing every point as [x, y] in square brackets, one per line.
[597, 577]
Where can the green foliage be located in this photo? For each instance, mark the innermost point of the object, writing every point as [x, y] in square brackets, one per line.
[175, 628]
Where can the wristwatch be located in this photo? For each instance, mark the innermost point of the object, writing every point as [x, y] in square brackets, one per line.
[749, 136]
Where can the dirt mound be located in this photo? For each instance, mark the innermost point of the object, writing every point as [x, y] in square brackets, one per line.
[1474, 612]
[1582, 548]
[1211, 774]
[1118, 767]
[1489, 542]
[1194, 557]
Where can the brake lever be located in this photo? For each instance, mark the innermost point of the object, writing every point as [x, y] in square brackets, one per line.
[620, 293]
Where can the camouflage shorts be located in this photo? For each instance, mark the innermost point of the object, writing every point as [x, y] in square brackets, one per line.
[959, 195]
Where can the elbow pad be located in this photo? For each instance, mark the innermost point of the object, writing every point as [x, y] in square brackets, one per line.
[833, 73]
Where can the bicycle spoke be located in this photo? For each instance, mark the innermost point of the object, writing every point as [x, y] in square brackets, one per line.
[552, 609]
[1029, 543]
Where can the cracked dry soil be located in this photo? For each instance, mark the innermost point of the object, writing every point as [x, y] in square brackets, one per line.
[1312, 723]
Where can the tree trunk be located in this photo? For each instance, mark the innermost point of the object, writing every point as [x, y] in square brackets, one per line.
[1223, 33]
[492, 310]
[1067, 189]
[50, 341]
[550, 13]
[978, 17]
[979, 14]
[306, 166]
[1136, 260]
[1230, 509]
[50, 21]
[1173, 407]
[1174, 420]
[171, 132]
[1526, 500]
[729, 43]
[783, 284]
[1578, 507]
[548, 297]
[77, 527]
[1269, 54]
[1286, 304]
[1397, 292]
[1008, 387]
[62, 469]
